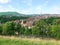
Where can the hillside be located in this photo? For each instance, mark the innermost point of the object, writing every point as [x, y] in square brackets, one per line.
[11, 13]
[20, 14]
[35, 16]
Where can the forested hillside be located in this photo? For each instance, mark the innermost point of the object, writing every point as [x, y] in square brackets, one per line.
[5, 18]
[11, 14]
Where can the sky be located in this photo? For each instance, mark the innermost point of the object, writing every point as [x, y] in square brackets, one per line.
[31, 6]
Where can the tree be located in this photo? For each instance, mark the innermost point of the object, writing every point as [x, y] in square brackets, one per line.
[27, 31]
[55, 32]
[56, 22]
[39, 29]
[50, 20]
[0, 29]
[18, 28]
[48, 30]
[8, 28]
[55, 28]
[35, 31]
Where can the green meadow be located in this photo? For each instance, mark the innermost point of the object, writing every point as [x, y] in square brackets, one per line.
[27, 41]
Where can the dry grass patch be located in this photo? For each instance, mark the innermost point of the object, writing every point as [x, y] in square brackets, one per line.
[37, 41]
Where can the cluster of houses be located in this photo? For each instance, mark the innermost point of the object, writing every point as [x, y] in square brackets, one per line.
[30, 21]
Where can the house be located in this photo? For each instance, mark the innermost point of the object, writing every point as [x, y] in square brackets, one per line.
[30, 21]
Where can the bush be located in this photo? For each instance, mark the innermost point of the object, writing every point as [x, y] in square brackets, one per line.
[56, 31]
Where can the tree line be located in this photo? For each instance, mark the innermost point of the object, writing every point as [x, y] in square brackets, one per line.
[5, 18]
[49, 27]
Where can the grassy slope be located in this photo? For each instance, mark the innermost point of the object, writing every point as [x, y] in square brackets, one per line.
[26, 41]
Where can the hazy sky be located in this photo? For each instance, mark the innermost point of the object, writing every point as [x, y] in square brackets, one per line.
[30, 6]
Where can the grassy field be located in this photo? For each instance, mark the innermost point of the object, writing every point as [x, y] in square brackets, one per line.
[5, 40]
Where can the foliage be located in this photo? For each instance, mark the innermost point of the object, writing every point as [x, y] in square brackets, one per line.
[27, 31]
[18, 28]
[49, 27]
[55, 31]
[39, 28]
[0, 29]
[4, 18]
[8, 28]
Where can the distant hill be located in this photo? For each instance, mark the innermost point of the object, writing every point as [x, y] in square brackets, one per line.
[19, 14]
[15, 14]
[11, 14]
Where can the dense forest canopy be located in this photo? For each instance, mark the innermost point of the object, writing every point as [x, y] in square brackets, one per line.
[4, 18]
